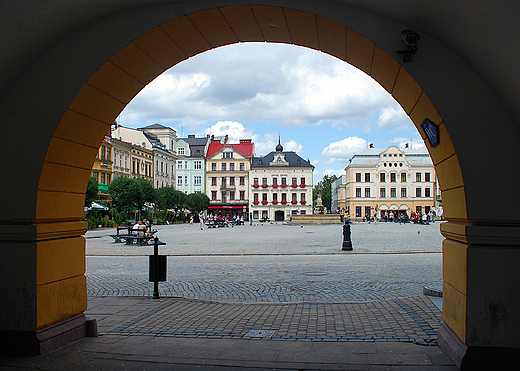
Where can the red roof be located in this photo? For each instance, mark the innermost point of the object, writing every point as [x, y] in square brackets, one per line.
[246, 147]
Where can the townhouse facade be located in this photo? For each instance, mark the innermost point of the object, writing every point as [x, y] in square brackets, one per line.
[339, 195]
[281, 186]
[390, 180]
[122, 158]
[227, 176]
[103, 167]
[191, 164]
[163, 141]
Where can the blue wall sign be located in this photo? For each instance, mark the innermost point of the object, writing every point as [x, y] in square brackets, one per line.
[432, 132]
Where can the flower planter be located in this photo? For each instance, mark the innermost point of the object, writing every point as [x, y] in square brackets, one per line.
[303, 185]
[275, 185]
[255, 185]
[284, 202]
[264, 202]
[264, 186]
[294, 185]
[275, 202]
[284, 186]
[294, 202]
[302, 202]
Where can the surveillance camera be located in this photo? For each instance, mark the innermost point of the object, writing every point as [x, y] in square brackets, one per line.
[410, 37]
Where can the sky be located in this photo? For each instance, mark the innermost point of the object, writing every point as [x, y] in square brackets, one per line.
[320, 107]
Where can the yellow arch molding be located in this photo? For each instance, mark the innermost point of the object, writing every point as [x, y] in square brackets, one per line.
[81, 130]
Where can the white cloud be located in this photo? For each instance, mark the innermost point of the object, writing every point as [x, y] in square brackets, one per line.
[235, 131]
[415, 143]
[345, 148]
[394, 118]
[257, 82]
[294, 146]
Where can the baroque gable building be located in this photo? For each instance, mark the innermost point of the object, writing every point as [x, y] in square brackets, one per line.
[281, 186]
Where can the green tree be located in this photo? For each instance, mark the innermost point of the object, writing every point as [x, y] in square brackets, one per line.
[141, 191]
[170, 198]
[119, 191]
[92, 191]
[197, 202]
[131, 193]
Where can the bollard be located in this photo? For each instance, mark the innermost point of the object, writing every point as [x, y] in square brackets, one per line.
[347, 243]
[157, 267]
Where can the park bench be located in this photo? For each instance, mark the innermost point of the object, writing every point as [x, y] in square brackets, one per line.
[129, 238]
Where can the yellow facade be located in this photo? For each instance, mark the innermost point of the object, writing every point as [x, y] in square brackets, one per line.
[141, 163]
[102, 168]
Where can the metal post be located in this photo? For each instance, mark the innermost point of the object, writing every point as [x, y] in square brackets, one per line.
[347, 243]
[156, 273]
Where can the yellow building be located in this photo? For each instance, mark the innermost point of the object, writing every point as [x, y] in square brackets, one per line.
[142, 163]
[102, 168]
[122, 153]
[389, 181]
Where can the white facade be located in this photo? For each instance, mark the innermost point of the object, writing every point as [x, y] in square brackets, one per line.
[392, 179]
[281, 186]
[122, 158]
[163, 161]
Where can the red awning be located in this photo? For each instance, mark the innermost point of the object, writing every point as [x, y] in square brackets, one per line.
[227, 207]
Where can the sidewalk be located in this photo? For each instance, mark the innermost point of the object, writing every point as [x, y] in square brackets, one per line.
[186, 334]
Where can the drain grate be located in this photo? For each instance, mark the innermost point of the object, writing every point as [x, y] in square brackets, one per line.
[260, 333]
[315, 273]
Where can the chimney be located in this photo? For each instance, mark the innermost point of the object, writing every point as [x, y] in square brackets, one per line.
[406, 145]
[226, 138]
[191, 136]
[371, 145]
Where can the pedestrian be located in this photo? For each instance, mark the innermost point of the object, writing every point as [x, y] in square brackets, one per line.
[375, 217]
[201, 220]
[191, 219]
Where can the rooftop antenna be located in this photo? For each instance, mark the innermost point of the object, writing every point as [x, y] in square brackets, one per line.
[182, 131]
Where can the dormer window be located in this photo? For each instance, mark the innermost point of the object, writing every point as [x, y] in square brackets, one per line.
[279, 160]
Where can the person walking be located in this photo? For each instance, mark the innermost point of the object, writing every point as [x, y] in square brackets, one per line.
[201, 220]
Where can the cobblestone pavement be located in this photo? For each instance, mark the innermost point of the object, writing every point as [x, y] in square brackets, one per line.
[262, 298]
[413, 319]
[273, 263]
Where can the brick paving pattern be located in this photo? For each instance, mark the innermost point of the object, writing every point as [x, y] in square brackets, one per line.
[273, 281]
[413, 319]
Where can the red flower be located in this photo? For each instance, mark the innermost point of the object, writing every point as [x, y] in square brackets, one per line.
[294, 202]
[302, 202]
[275, 202]
[256, 202]
[294, 185]
[284, 202]
[264, 202]
[283, 185]
[264, 186]
[275, 185]
[255, 185]
[302, 185]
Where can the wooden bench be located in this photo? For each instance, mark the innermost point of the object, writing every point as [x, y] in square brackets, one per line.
[120, 238]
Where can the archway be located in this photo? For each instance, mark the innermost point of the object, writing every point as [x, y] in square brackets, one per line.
[55, 291]
[126, 73]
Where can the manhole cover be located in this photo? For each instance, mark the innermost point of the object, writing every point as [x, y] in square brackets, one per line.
[260, 333]
[315, 273]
